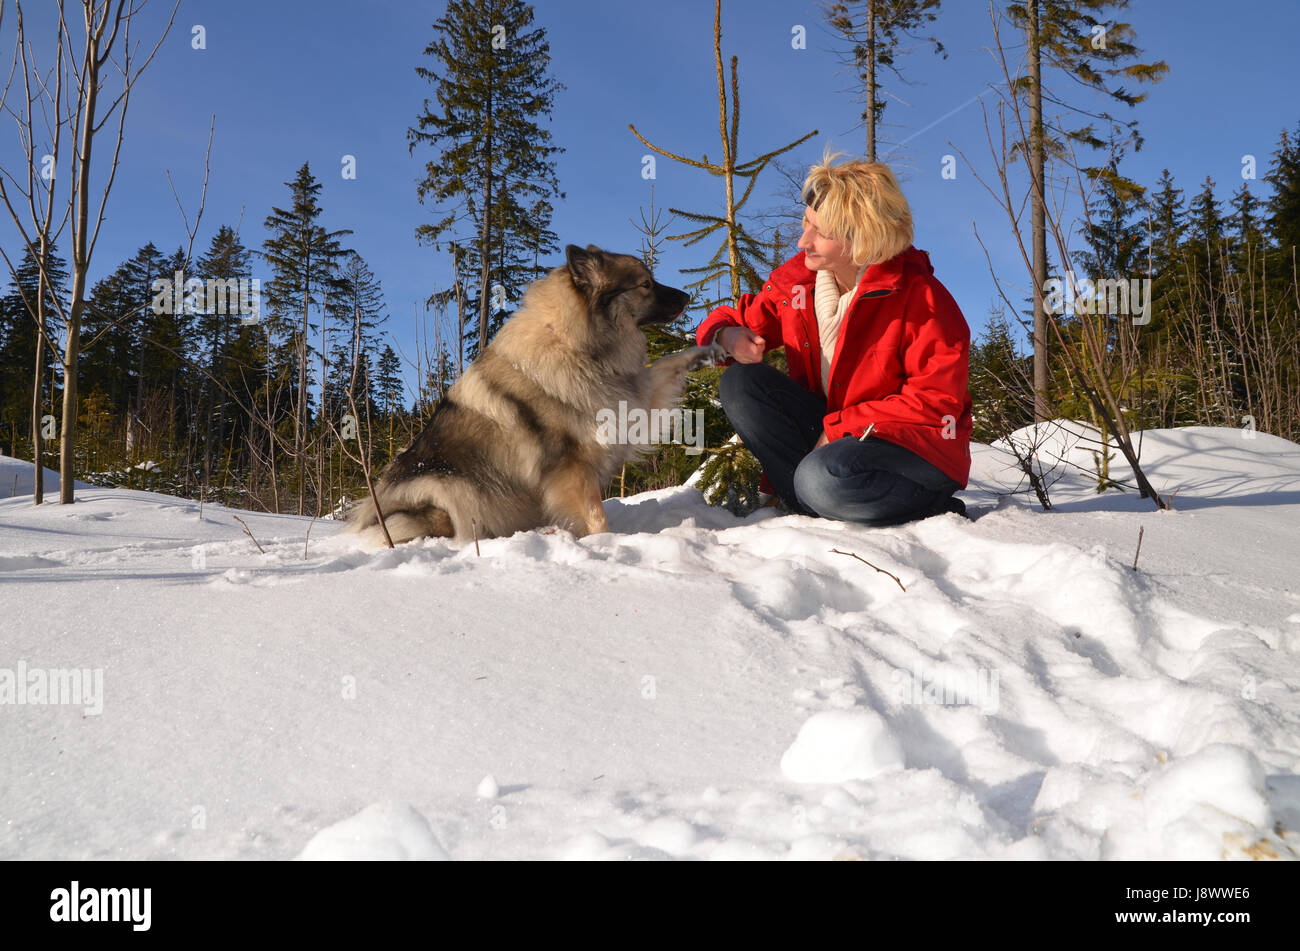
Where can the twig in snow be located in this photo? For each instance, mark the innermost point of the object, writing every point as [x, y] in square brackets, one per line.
[1139, 551]
[869, 565]
[308, 538]
[473, 525]
[249, 534]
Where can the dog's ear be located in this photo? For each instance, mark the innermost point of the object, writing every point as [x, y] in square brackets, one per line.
[585, 267]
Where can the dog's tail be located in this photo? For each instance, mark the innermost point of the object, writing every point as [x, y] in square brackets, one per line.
[403, 523]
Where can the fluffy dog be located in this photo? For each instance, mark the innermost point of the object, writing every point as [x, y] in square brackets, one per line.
[514, 444]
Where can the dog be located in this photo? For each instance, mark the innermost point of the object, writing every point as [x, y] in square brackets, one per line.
[514, 444]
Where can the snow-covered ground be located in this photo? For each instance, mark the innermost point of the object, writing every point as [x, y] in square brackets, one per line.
[691, 685]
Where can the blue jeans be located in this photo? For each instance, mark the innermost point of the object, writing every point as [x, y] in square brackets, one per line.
[871, 481]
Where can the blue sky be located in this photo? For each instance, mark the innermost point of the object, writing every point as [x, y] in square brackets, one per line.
[314, 81]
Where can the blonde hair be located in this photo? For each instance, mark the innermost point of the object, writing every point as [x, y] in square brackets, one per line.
[860, 204]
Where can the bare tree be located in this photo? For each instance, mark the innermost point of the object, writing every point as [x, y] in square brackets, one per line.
[40, 213]
[71, 96]
[1075, 38]
[1089, 375]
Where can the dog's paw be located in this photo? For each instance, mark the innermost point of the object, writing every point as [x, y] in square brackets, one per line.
[715, 354]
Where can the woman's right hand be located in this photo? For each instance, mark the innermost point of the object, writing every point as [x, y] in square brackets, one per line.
[743, 344]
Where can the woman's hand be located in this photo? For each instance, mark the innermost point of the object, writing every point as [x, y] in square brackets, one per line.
[742, 343]
[822, 441]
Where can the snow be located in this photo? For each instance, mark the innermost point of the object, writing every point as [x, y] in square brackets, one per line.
[835, 746]
[382, 832]
[691, 685]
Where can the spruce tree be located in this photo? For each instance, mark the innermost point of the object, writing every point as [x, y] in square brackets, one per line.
[742, 256]
[1283, 204]
[1205, 217]
[226, 338]
[304, 260]
[1166, 225]
[388, 380]
[18, 338]
[493, 176]
[1113, 234]
[1001, 394]
[356, 306]
[1245, 215]
[876, 29]
[111, 326]
[1245, 224]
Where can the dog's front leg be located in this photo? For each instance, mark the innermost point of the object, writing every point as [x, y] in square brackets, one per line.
[572, 498]
[668, 374]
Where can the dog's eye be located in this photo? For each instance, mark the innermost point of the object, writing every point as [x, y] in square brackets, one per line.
[646, 285]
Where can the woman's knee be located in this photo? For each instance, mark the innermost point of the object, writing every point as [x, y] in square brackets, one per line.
[814, 485]
[830, 487]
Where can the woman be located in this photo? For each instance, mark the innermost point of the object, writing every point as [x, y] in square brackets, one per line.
[873, 423]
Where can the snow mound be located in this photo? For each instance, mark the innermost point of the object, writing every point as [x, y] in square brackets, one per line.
[1204, 807]
[18, 478]
[835, 746]
[380, 832]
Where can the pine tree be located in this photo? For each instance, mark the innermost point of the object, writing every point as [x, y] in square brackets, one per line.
[1166, 226]
[1245, 215]
[304, 260]
[1246, 237]
[226, 338]
[355, 306]
[495, 167]
[1001, 394]
[1113, 234]
[388, 381]
[1283, 204]
[1205, 217]
[111, 326]
[168, 346]
[741, 256]
[730, 477]
[135, 309]
[18, 338]
[876, 28]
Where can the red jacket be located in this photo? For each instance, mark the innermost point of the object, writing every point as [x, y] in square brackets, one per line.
[903, 361]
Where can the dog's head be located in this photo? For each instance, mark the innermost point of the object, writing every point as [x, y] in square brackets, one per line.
[621, 289]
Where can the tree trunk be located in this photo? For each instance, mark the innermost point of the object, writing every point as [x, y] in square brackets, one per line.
[729, 142]
[38, 444]
[460, 328]
[871, 80]
[72, 353]
[300, 417]
[485, 259]
[38, 388]
[80, 264]
[1042, 407]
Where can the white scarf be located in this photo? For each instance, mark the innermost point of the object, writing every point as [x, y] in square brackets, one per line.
[830, 307]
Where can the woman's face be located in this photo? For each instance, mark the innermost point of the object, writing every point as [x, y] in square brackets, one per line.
[821, 251]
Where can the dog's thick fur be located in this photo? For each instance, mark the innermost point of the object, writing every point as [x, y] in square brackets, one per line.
[513, 445]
